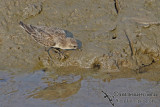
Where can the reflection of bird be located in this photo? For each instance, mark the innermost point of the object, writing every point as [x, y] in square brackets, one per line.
[50, 37]
[60, 90]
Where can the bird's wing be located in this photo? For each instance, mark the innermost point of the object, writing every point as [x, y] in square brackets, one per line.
[48, 36]
[44, 35]
[57, 32]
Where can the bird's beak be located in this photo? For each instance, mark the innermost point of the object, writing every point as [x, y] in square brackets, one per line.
[79, 49]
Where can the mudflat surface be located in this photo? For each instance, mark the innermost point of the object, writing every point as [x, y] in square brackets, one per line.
[119, 54]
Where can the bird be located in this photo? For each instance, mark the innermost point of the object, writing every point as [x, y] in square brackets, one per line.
[52, 37]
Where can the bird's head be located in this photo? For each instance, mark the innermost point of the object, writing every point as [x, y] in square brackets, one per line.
[71, 43]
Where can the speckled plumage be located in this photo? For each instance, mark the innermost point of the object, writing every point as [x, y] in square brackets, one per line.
[50, 36]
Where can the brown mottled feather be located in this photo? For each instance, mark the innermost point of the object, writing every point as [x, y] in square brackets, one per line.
[44, 35]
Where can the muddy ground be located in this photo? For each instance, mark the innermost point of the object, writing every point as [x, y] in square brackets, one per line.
[118, 39]
[113, 34]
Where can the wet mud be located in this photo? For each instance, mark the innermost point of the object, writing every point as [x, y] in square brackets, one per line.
[110, 34]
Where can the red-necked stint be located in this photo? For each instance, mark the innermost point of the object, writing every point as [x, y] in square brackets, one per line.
[50, 37]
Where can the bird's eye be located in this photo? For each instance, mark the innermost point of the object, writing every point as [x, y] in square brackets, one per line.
[74, 46]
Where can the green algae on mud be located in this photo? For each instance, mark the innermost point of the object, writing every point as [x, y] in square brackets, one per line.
[149, 73]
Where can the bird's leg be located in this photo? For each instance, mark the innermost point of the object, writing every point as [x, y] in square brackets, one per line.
[60, 53]
[56, 50]
[48, 51]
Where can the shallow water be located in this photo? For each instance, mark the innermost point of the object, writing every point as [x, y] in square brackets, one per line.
[79, 87]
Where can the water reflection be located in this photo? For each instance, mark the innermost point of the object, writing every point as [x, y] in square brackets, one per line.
[72, 85]
[58, 90]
